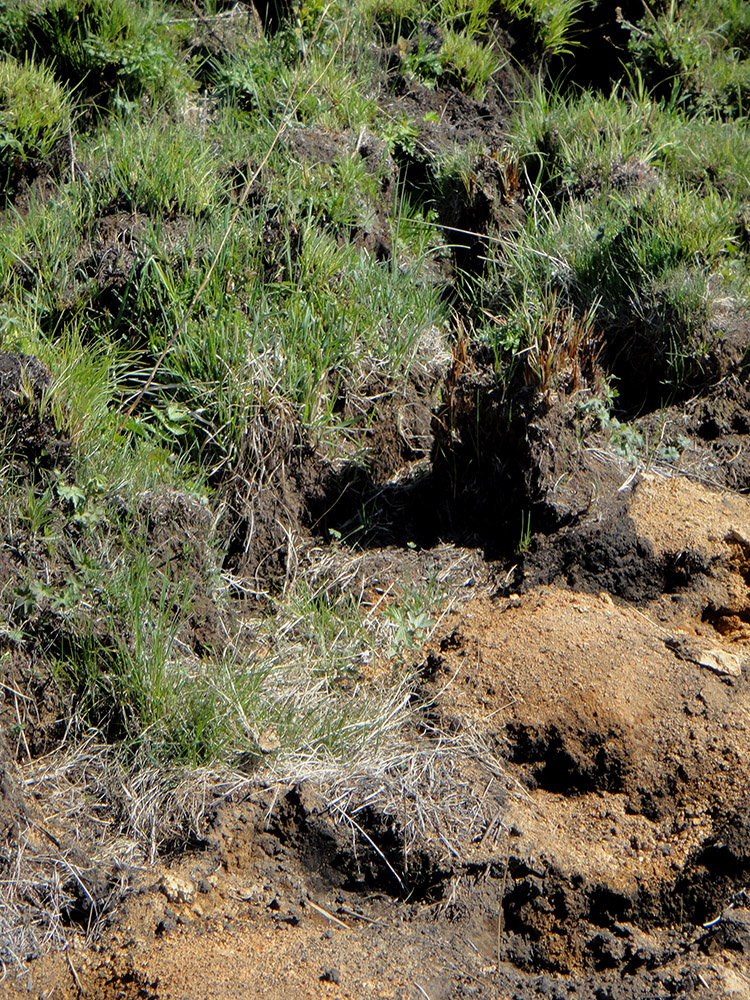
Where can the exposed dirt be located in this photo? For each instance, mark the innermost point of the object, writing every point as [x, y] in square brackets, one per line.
[30, 438]
[443, 120]
[595, 689]
[714, 424]
[584, 706]
[26, 179]
[120, 243]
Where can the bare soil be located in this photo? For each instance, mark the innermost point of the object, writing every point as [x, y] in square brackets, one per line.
[593, 837]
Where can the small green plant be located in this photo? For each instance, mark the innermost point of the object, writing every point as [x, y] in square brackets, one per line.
[469, 63]
[343, 194]
[37, 510]
[35, 114]
[422, 60]
[524, 539]
[554, 21]
[414, 612]
[400, 133]
[246, 81]
[627, 439]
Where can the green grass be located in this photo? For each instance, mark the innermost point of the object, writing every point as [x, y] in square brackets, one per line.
[554, 23]
[111, 52]
[698, 53]
[35, 115]
[155, 166]
[633, 210]
[468, 63]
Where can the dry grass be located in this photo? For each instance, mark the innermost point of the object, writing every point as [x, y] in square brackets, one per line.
[436, 787]
[363, 741]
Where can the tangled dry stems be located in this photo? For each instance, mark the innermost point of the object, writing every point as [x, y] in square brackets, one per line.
[107, 817]
[433, 789]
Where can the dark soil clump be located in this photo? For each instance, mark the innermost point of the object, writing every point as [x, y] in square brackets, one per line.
[511, 456]
[304, 824]
[31, 440]
[606, 554]
[34, 707]
[718, 873]
[711, 430]
[273, 483]
[571, 763]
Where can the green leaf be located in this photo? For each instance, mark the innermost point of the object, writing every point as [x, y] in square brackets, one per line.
[72, 494]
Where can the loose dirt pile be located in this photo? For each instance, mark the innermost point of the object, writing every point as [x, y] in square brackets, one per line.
[582, 828]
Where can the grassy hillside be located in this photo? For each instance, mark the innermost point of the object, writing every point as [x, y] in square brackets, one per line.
[243, 242]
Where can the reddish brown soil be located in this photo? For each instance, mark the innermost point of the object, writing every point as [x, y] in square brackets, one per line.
[612, 831]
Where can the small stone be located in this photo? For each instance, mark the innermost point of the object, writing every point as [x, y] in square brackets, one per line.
[731, 932]
[720, 661]
[330, 976]
[176, 888]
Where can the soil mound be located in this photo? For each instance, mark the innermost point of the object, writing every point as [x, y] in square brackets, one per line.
[600, 751]
[30, 437]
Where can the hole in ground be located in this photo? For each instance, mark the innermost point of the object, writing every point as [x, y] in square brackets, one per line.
[567, 762]
[728, 621]
[362, 855]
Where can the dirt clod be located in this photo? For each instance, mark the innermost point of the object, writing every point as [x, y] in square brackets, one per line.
[29, 437]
